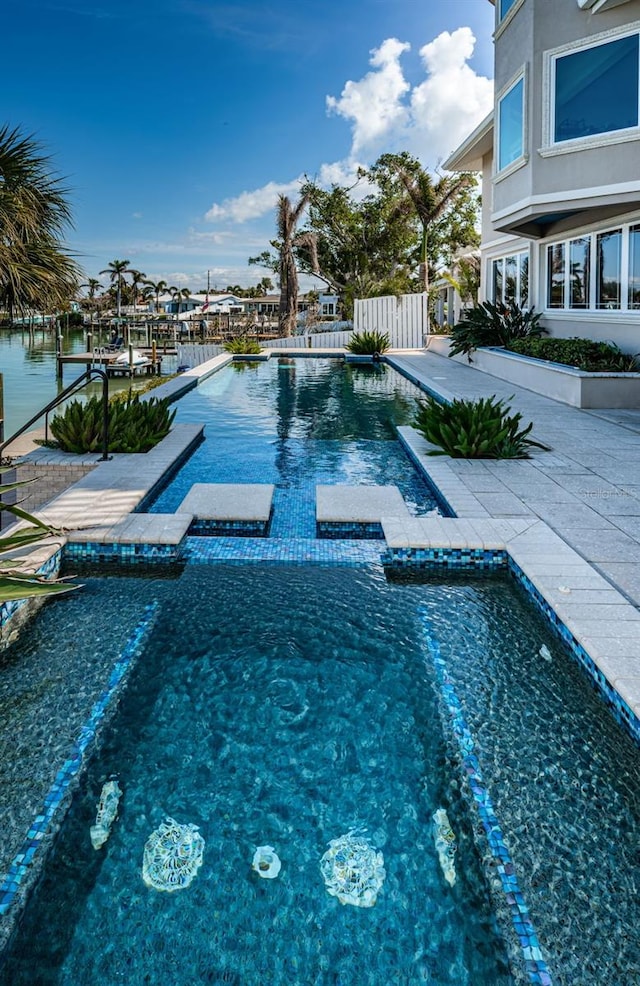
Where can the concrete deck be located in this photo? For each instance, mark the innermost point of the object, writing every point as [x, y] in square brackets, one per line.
[569, 518]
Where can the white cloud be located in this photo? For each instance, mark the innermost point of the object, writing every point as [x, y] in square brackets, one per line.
[374, 104]
[453, 99]
[250, 205]
[387, 114]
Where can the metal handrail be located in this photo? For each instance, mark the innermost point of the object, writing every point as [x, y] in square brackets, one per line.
[62, 396]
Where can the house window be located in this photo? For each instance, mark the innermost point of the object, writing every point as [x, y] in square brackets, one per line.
[555, 275]
[511, 125]
[510, 280]
[579, 272]
[634, 267]
[608, 269]
[596, 89]
[504, 8]
[597, 271]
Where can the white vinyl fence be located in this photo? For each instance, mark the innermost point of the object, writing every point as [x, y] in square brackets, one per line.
[193, 354]
[405, 319]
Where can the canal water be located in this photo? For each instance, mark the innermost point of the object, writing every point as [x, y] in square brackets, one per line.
[28, 368]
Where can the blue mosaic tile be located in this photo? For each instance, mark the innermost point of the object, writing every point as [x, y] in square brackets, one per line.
[92, 552]
[451, 558]
[48, 569]
[622, 712]
[533, 961]
[235, 528]
[341, 530]
[42, 822]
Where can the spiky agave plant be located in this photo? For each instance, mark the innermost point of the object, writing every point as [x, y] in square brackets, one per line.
[13, 583]
[480, 429]
[367, 343]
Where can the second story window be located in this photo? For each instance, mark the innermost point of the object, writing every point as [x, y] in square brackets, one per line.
[596, 89]
[511, 125]
[504, 8]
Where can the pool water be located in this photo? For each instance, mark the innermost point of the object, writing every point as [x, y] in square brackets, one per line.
[288, 705]
[298, 423]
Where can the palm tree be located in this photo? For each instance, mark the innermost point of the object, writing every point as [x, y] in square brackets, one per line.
[158, 288]
[428, 199]
[116, 271]
[93, 284]
[137, 277]
[288, 217]
[178, 293]
[36, 272]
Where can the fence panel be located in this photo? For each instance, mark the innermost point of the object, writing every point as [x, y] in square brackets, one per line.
[405, 319]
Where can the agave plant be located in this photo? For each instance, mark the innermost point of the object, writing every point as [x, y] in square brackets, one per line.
[134, 425]
[241, 346]
[480, 429]
[494, 325]
[13, 583]
[368, 343]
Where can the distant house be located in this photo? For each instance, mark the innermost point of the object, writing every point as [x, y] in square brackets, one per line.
[560, 162]
[194, 303]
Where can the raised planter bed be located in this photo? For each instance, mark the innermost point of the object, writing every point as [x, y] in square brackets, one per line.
[562, 383]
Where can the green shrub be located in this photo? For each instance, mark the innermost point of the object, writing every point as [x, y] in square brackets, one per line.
[494, 325]
[368, 343]
[242, 346]
[596, 357]
[134, 425]
[480, 429]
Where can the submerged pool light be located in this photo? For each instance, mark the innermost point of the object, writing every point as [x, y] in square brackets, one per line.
[172, 856]
[353, 870]
[266, 862]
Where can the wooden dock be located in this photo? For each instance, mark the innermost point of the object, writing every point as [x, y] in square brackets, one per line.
[109, 362]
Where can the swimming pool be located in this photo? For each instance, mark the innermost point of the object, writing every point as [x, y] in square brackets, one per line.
[290, 705]
[298, 423]
[268, 722]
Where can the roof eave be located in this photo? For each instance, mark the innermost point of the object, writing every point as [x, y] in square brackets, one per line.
[468, 156]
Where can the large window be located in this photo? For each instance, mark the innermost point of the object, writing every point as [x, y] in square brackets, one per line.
[596, 89]
[599, 270]
[504, 7]
[556, 275]
[511, 125]
[608, 267]
[510, 279]
[579, 272]
[634, 267]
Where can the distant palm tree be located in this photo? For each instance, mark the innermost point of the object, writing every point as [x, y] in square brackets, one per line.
[178, 293]
[116, 271]
[35, 270]
[160, 287]
[288, 217]
[93, 284]
[137, 277]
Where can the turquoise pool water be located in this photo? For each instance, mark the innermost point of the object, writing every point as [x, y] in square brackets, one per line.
[287, 706]
[297, 423]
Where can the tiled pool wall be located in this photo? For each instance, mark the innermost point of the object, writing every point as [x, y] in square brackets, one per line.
[15, 612]
[511, 901]
[95, 553]
[26, 865]
[443, 504]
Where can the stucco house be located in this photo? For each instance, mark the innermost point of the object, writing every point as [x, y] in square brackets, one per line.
[560, 163]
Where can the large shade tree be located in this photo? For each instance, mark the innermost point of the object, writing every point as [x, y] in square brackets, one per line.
[36, 270]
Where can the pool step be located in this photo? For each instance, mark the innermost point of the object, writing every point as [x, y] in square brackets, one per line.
[357, 511]
[229, 508]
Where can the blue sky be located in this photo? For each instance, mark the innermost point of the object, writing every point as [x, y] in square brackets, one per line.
[176, 122]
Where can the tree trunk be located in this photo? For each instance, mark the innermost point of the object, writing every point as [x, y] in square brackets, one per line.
[288, 295]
